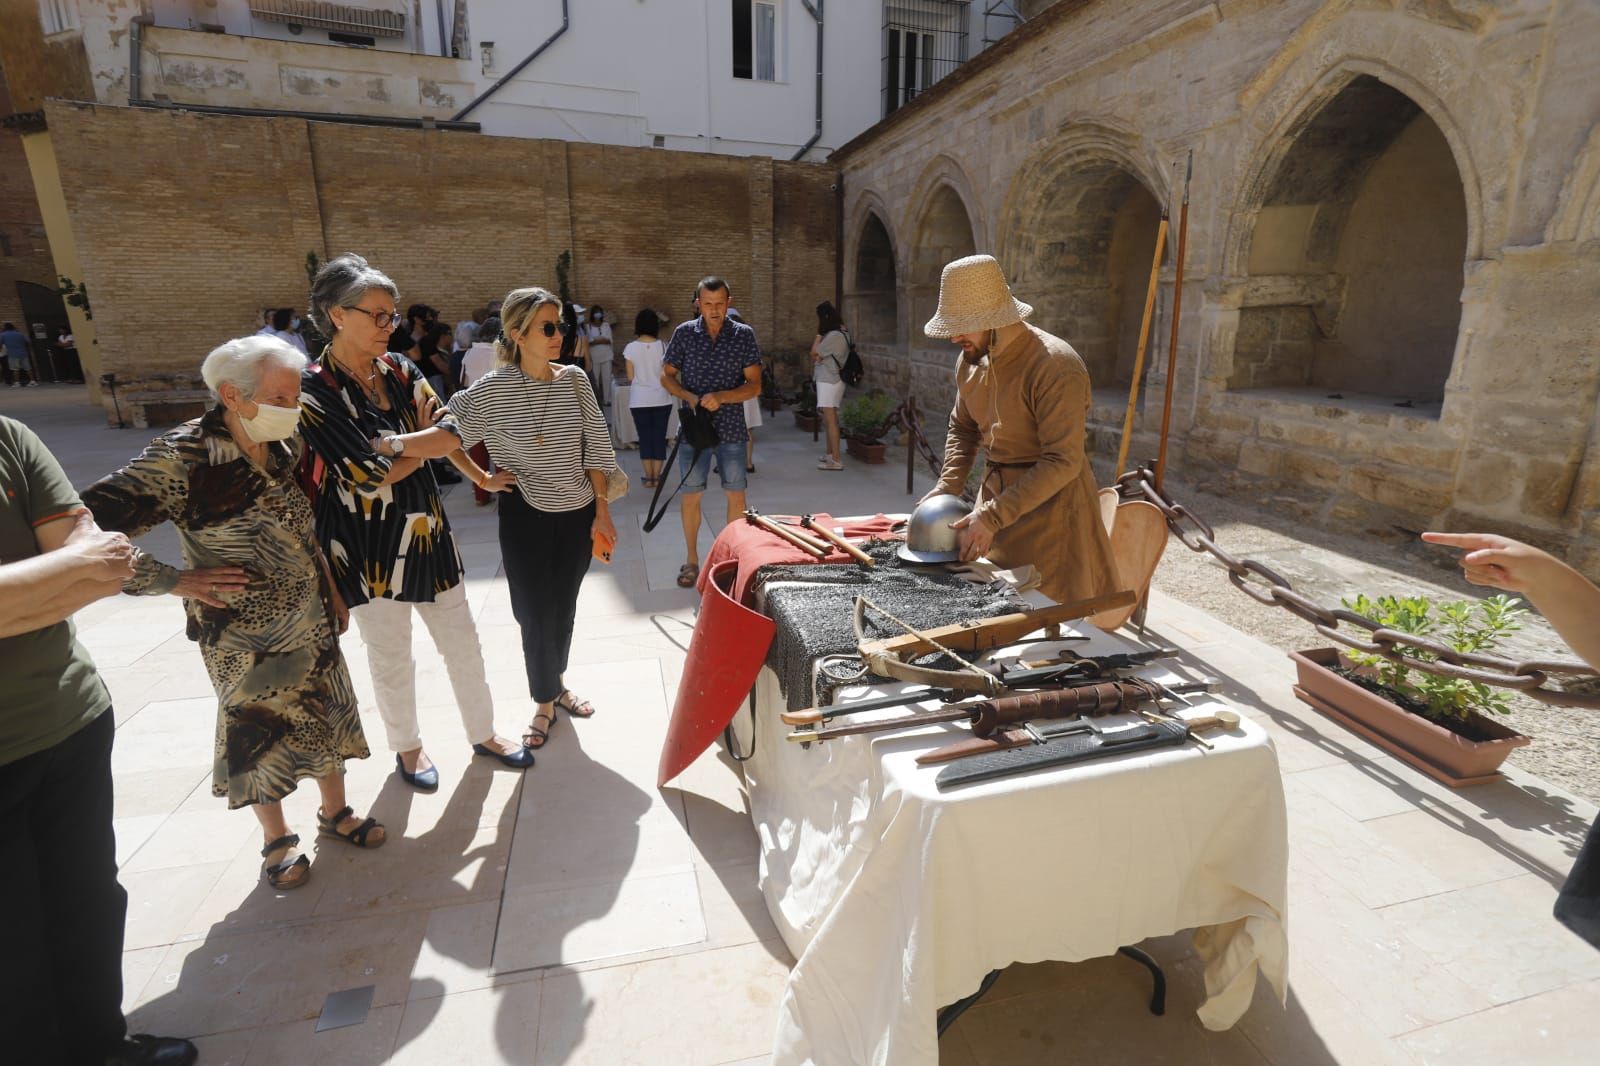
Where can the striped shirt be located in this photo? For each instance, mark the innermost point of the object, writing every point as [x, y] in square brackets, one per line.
[511, 412]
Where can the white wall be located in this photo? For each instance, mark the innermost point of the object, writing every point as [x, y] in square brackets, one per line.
[626, 71]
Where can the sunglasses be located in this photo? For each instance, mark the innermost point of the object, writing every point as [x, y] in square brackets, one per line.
[548, 329]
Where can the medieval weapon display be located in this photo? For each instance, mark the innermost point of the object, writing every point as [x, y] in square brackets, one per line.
[1075, 746]
[891, 657]
[1070, 668]
[1101, 697]
[799, 540]
[1027, 734]
[1144, 340]
[1177, 309]
[837, 541]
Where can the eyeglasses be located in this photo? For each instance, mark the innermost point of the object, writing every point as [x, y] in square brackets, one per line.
[549, 329]
[383, 319]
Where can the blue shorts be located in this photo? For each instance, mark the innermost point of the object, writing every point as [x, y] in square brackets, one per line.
[730, 464]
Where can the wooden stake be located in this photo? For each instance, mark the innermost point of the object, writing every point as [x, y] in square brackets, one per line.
[1177, 310]
[1144, 341]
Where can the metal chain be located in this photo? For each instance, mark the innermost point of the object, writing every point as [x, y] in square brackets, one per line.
[1271, 589]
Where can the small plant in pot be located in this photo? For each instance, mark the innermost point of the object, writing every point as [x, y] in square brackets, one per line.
[864, 420]
[805, 407]
[1442, 725]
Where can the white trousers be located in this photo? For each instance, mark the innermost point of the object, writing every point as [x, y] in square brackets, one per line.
[385, 627]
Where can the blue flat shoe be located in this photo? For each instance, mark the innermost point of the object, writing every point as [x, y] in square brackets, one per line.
[423, 780]
[520, 759]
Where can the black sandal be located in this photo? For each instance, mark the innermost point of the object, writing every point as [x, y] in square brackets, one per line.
[533, 737]
[574, 705]
[278, 874]
[357, 836]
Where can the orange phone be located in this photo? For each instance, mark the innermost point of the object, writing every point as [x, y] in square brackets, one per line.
[602, 547]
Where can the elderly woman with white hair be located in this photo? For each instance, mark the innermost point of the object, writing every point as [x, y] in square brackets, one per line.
[257, 591]
[380, 519]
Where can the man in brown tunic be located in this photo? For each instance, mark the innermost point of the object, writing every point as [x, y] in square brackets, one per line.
[1022, 396]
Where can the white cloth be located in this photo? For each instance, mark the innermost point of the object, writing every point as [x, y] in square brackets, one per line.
[646, 357]
[622, 427]
[896, 899]
[752, 412]
[478, 361]
[830, 393]
[385, 627]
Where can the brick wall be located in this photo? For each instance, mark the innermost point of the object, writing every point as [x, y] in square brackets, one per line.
[24, 252]
[188, 224]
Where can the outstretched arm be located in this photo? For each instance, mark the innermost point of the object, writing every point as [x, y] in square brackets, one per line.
[1568, 599]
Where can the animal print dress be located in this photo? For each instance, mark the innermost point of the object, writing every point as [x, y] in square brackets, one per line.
[285, 706]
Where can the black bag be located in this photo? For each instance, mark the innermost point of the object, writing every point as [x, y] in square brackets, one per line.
[698, 429]
[853, 370]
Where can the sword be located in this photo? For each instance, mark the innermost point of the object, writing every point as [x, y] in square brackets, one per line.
[1076, 669]
[1104, 697]
[1028, 734]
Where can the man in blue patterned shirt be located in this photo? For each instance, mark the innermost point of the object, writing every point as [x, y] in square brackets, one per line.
[714, 364]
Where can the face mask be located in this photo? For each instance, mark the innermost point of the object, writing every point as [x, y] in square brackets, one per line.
[294, 324]
[271, 423]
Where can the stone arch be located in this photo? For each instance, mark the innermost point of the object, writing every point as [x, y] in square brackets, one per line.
[1081, 219]
[871, 274]
[942, 229]
[1349, 245]
[1577, 216]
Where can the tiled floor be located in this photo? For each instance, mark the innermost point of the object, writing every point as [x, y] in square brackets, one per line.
[580, 915]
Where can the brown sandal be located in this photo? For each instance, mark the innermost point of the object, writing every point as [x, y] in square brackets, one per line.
[533, 737]
[688, 574]
[357, 836]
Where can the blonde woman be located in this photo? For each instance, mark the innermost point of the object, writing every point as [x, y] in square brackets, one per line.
[543, 424]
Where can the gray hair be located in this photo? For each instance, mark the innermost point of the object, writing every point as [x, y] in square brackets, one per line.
[241, 363]
[516, 312]
[342, 282]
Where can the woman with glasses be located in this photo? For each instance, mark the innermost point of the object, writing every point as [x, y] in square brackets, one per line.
[542, 422]
[379, 517]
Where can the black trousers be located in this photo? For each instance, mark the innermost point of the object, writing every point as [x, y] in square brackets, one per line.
[61, 907]
[1578, 905]
[546, 554]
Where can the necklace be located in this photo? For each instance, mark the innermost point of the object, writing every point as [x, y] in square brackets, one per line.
[544, 406]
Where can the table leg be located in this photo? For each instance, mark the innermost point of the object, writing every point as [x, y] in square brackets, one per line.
[1158, 996]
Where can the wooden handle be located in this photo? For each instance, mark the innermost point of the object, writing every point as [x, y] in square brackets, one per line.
[983, 634]
[809, 716]
[833, 538]
[786, 533]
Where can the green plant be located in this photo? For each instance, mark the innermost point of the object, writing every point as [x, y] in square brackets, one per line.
[563, 267]
[866, 418]
[313, 264]
[1464, 625]
[76, 294]
[805, 400]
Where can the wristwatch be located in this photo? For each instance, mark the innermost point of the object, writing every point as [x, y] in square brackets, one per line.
[396, 445]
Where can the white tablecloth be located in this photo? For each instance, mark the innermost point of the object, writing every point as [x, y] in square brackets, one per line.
[896, 898]
[622, 426]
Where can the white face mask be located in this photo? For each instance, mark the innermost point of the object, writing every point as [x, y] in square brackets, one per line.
[271, 423]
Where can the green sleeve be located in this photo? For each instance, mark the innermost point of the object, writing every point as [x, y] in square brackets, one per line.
[50, 494]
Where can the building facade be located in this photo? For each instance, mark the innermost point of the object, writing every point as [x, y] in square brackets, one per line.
[1393, 252]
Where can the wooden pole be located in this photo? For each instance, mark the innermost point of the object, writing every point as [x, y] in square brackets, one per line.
[1177, 309]
[911, 443]
[1144, 341]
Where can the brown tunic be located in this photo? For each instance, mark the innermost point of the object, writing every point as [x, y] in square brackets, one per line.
[1026, 406]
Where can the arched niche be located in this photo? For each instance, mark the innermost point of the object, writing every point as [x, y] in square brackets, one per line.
[872, 303]
[1355, 260]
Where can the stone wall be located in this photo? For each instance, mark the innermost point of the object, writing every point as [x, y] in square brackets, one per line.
[187, 224]
[1393, 246]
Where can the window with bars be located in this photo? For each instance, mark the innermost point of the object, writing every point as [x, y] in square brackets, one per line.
[58, 16]
[923, 40]
[755, 39]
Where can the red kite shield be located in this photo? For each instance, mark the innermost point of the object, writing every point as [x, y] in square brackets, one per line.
[725, 655]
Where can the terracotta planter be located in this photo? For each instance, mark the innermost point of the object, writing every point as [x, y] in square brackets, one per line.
[865, 452]
[1431, 748]
[807, 422]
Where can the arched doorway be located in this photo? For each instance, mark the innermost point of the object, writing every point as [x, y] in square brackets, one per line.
[1080, 254]
[874, 307]
[44, 317]
[943, 234]
[1356, 258]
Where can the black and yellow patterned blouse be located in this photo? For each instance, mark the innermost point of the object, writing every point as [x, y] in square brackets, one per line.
[382, 541]
[228, 512]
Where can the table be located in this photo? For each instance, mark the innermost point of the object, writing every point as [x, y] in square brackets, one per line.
[622, 427]
[896, 899]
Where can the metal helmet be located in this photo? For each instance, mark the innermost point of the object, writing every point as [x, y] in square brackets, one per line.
[929, 538]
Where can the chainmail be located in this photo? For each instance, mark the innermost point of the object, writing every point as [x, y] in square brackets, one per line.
[814, 606]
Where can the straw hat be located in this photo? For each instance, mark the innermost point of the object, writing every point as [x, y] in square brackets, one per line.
[973, 297]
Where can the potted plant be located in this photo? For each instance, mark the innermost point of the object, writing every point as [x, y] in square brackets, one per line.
[771, 395]
[1441, 725]
[805, 407]
[863, 421]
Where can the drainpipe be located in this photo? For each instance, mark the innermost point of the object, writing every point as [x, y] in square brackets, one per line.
[816, 13]
[491, 90]
[136, 98]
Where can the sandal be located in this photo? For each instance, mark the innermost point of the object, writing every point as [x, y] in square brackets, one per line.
[575, 705]
[291, 871]
[534, 737]
[357, 836]
[688, 574]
